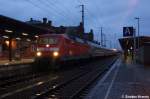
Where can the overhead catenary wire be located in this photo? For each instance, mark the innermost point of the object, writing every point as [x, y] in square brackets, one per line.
[44, 9]
[91, 16]
[35, 5]
[70, 10]
[67, 12]
[50, 8]
[97, 20]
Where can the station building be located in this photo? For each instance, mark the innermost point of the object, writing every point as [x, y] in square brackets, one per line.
[17, 39]
[71, 30]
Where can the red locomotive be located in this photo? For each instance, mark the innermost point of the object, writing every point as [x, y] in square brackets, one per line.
[54, 48]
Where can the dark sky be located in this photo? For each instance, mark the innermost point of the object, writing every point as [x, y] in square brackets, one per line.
[112, 15]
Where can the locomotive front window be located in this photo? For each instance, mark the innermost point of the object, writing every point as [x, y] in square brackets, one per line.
[48, 41]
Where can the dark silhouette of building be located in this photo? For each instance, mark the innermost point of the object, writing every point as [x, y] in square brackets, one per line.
[71, 30]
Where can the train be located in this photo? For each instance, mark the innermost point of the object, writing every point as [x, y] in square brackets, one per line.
[57, 48]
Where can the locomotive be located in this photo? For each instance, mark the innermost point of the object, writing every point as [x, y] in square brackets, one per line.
[55, 48]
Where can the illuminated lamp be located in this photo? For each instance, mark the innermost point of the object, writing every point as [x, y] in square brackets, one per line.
[18, 38]
[25, 34]
[114, 49]
[7, 42]
[8, 31]
[28, 40]
[5, 37]
[36, 36]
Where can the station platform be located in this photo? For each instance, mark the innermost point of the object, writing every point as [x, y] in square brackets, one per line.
[15, 62]
[125, 80]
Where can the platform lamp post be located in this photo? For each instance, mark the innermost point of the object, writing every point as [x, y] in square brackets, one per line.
[134, 45]
[138, 23]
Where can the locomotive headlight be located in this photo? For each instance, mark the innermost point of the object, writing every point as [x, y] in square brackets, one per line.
[39, 54]
[55, 54]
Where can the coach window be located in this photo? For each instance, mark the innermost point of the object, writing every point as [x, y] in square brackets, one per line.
[43, 41]
[53, 40]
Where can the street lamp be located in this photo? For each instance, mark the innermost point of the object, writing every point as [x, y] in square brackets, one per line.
[138, 23]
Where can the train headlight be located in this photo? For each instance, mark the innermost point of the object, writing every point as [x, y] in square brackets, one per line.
[39, 54]
[55, 54]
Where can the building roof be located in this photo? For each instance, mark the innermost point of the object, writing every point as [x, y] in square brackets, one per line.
[18, 27]
[128, 42]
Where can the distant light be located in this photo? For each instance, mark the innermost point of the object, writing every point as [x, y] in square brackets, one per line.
[39, 83]
[5, 37]
[8, 31]
[114, 49]
[128, 50]
[53, 86]
[28, 40]
[38, 94]
[25, 34]
[18, 38]
[53, 95]
[36, 36]
[6, 64]
[131, 48]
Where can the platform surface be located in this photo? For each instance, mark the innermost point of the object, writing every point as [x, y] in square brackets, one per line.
[125, 80]
[13, 62]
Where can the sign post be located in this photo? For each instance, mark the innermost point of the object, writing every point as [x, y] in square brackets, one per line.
[134, 49]
[129, 32]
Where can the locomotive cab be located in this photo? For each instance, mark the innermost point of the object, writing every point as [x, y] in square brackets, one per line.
[48, 46]
[48, 49]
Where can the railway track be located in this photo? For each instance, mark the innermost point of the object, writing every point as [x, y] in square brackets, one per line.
[10, 71]
[5, 83]
[9, 66]
[51, 87]
[12, 75]
[72, 88]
